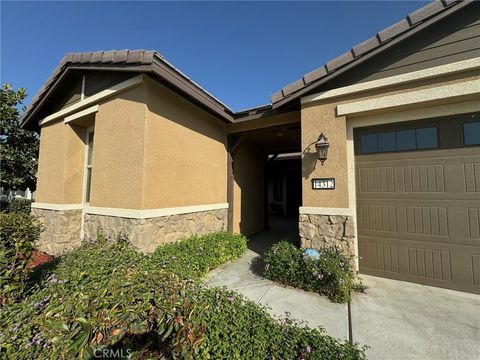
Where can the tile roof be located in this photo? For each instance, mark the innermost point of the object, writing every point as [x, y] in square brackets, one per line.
[383, 37]
[143, 59]
[152, 62]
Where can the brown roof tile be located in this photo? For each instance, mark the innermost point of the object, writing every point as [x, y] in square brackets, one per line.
[365, 46]
[77, 57]
[425, 12]
[293, 87]
[135, 56]
[85, 57]
[276, 96]
[107, 56]
[148, 57]
[96, 57]
[315, 74]
[394, 30]
[339, 61]
[120, 56]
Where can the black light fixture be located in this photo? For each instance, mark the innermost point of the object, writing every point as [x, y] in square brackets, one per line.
[321, 145]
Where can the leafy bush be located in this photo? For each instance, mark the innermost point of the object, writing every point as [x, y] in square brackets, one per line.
[195, 256]
[237, 328]
[19, 205]
[106, 296]
[331, 275]
[18, 234]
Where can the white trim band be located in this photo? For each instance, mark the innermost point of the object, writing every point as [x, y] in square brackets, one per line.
[58, 207]
[131, 213]
[79, 114]
[424, 74]
[327, 211]
[125, 85]
[145, 214]
[465, 88]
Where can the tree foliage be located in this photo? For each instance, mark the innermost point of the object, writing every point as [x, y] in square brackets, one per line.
[18, 147]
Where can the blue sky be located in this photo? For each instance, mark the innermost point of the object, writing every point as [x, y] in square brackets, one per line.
[239, 51]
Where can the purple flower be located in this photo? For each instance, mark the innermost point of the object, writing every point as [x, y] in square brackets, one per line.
[41, 303]
[217, 296]
[230, 298]
[15, 328]
[308, 349]
[14, 338]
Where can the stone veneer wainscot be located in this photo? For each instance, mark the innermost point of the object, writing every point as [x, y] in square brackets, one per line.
[147, 234]
[319, 231]
[62, 229]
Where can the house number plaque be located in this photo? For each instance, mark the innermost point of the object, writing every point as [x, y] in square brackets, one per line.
[323, 184]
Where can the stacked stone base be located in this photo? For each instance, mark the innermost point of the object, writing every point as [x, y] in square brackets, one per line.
[320, 231]
[147, 234]
[63, 228]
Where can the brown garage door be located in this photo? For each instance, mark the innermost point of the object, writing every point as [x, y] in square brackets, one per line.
[418, 201]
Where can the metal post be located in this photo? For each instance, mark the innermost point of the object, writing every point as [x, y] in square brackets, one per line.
[349, 315]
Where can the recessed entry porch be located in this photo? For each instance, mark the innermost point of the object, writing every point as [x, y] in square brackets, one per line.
[265, 181]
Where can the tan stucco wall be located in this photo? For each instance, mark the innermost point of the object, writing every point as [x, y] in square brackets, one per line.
[51, 164]
[248, 189]
[118, 151]
[185, 155]
[320, 116]
[61, 164]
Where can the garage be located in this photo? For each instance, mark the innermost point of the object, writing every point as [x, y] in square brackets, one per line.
[418, 201]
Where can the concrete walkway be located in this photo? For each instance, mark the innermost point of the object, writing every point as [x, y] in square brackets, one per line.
[398, 320]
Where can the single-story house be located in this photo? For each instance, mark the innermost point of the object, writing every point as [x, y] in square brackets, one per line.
[128, 143]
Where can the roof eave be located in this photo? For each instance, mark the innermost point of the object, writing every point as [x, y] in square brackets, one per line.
[329, 76]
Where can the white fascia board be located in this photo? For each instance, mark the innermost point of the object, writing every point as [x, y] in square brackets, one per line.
[77, 115]
[327, 211]
[94, 99]
[442, 92]
[152, 213]
[58, 207]
[437, 71]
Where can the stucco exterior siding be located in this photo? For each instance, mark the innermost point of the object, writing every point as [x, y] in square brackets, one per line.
[61, 162]
[185, 158]
[51, 164]
[248, 189]
[118, 153]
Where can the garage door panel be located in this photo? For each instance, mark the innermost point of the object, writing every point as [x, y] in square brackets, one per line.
[445, 223]
[441, 265]
[418, 211]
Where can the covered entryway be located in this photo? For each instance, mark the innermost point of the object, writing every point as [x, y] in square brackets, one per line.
[266, 176]
[418, 201]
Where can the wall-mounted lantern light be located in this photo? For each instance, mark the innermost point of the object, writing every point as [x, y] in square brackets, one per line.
[322, 148]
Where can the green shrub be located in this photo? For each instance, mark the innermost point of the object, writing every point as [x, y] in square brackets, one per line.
[195, 256]
[237, 328]
[107, 296]
[18, 234]
[330, 275]
[19, 205]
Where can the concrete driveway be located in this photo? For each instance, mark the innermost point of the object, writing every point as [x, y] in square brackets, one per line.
[398, 320]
